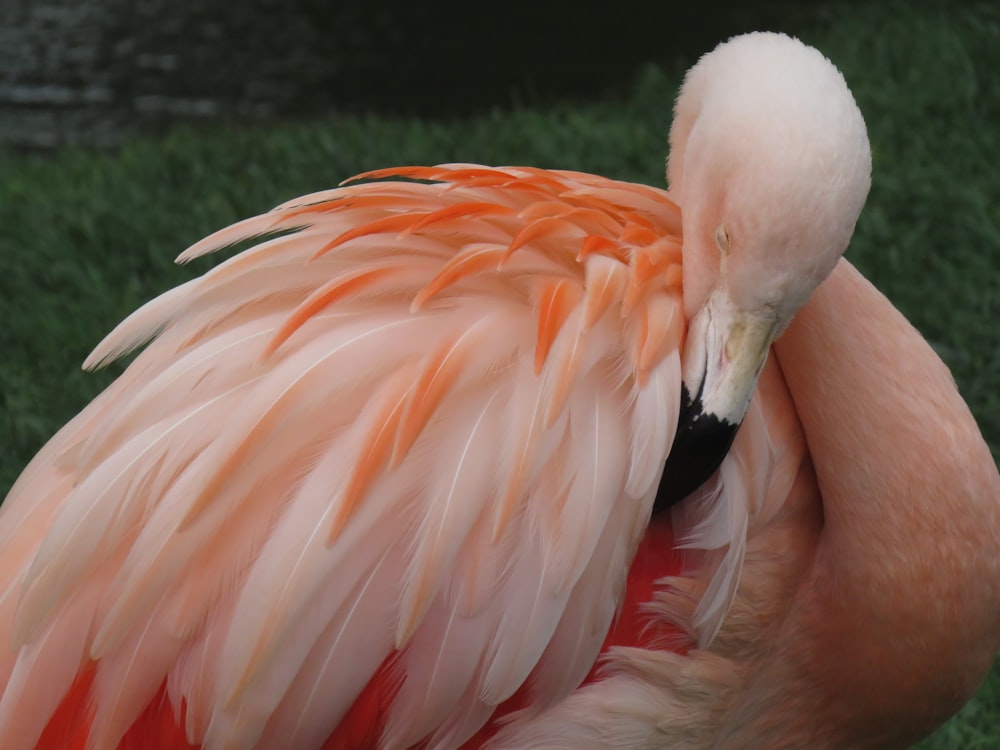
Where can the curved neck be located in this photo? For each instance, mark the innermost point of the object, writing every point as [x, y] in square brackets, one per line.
[905, 594]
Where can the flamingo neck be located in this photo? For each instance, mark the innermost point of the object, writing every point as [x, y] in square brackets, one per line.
[903, 603]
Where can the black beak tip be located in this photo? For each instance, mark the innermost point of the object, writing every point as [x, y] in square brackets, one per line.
[701, 443]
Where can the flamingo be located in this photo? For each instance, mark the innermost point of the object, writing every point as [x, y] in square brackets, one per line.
[449, 459]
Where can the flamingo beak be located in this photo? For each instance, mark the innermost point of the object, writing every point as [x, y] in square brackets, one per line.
[725, 352]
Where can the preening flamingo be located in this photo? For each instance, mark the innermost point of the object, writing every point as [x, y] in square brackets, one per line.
[394, 477]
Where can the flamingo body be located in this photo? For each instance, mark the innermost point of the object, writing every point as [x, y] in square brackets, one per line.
[392, 342]
[386, 479]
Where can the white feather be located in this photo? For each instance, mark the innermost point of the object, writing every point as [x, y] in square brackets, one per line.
[47, 666]
[106, 501]
[440, 663]
[352, 645]
[128, 679]
[456, 498]
[653, 423]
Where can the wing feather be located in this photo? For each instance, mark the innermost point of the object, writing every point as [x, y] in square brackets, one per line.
[48, 665]
[336, 451]
[78, 538]
[129, 678]
[443, 658]
[353, 643]
[584, 624]
[461, 496]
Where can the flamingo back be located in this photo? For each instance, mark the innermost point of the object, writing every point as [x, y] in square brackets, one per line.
[401, 450]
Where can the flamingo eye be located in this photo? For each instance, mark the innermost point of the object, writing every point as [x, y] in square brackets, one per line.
[722, 239]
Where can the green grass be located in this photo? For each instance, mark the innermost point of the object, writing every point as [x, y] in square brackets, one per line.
[85, 238]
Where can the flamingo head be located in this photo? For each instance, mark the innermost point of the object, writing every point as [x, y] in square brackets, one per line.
[771, 165]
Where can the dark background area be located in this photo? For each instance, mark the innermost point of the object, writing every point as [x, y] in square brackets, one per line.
[90, 72]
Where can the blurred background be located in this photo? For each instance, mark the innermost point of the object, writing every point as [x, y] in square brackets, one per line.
[131, 128]
[93, 72]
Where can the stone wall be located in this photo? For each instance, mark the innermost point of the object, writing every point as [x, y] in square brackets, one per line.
[91, 71]
[50, 81]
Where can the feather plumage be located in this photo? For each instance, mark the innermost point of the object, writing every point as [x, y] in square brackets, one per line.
[350, 413]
